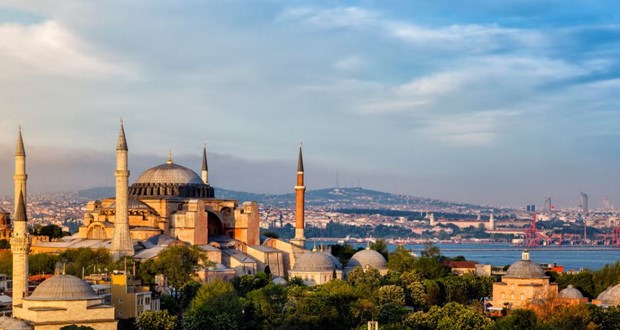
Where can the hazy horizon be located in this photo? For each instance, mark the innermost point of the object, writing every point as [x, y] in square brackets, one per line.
[494, 103]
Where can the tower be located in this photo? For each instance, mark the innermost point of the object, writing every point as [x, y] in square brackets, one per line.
[491, 222]
[584, 203]
[121, 241]
[20, 176]
[20, 247]
[300, 191]
[205, 167]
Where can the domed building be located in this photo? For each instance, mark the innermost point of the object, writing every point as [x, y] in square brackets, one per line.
[316, 268]
[609, 297]
[366, 259]
[64, 300]
[571, 296]
[523, 282]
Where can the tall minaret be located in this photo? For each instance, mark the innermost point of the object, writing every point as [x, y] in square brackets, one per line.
[205, 167]
[20, 170]
[300, 191]
[121, 242]
[20, 247]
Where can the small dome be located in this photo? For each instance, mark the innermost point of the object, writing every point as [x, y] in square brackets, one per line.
[63, 287]
[603, 295]
[368, 258]
[169, 173]
[314, 262]
[525, 268]
[279, 281]
[570, 293]
[14, 324]
[612, 296]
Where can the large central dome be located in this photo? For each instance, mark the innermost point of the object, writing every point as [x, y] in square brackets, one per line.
[170, 180]
[169, 173]
[63, 287]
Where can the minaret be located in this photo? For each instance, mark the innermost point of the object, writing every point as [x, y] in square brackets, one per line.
[20, 247]
[121, 242]
[20, 171]
[205, 167]
[300, 191]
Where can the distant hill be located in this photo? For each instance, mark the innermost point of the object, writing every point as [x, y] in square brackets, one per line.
[331, 198]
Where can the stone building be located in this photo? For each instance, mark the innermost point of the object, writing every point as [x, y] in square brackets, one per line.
[368, 259]
[525, 282]
[316, 268]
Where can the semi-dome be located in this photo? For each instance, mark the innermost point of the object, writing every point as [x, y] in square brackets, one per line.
[570, 292]
[170, 179]
[603, 295]
[314, 261]
[63, 287]
[367, 258]
[525, 268]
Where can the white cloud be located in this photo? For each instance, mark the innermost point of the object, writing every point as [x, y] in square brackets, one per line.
[50, 48]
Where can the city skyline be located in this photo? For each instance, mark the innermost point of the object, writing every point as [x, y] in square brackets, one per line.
[484, 103]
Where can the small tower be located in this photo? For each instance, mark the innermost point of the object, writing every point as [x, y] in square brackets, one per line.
[121, 241]
[525, 255]
[20, 176]
[491, 222]
[205, 167]
[20, 247]
[300, 192]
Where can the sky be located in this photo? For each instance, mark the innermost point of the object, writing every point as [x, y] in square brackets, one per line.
[492, 102]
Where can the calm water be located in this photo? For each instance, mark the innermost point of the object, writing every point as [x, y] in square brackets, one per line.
[571, 257]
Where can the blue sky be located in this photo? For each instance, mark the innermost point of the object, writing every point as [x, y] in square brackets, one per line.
[492, 102]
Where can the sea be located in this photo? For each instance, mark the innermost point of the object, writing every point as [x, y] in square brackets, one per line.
[497, 254]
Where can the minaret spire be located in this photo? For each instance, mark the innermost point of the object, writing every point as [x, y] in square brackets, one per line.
[121, 242]
[20, 177]
[20, 248]
[205, 167]
[300, 191]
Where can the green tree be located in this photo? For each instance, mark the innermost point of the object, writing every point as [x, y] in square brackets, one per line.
[247, 283]
[430, 268]
[42, 263]
[188, 292]
[431, 250]
[265, 308]
[392, 294]
[216, 306]
[380, 246]
[156, 320]
[76, 327]
[367, 281]
[452, 316]
[516, 320]
[6, 262]
[572, 317]
[170, 304]
[4, 244]
[51, 231]
[432, 291]
[177, 263]
[605, 318]
[401, 260]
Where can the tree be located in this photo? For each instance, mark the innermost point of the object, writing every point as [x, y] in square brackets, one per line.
[4, 244]
[569, 317]
[517, 319]
[42, 263]
[156, 320]
[247, 283]
[177, 263]
[452, 316]
[366, 282]
[76, 327]
[431, 250]
[216, 306]
[266, 307]
[392, 294]
[605, 318]
[401, 260]
[381, 247]
[51, 231]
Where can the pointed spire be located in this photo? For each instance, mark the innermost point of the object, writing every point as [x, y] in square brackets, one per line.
[122, 142]
[169, 161]
[205, 167]
[20, 151]
[20, 210]
[300, 161]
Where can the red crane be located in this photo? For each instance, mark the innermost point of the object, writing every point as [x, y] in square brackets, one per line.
[531, 234]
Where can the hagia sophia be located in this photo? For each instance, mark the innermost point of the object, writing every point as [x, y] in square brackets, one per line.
[170, 204]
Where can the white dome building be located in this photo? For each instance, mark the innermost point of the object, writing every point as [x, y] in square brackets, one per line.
[316, 268]
[368, 259]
